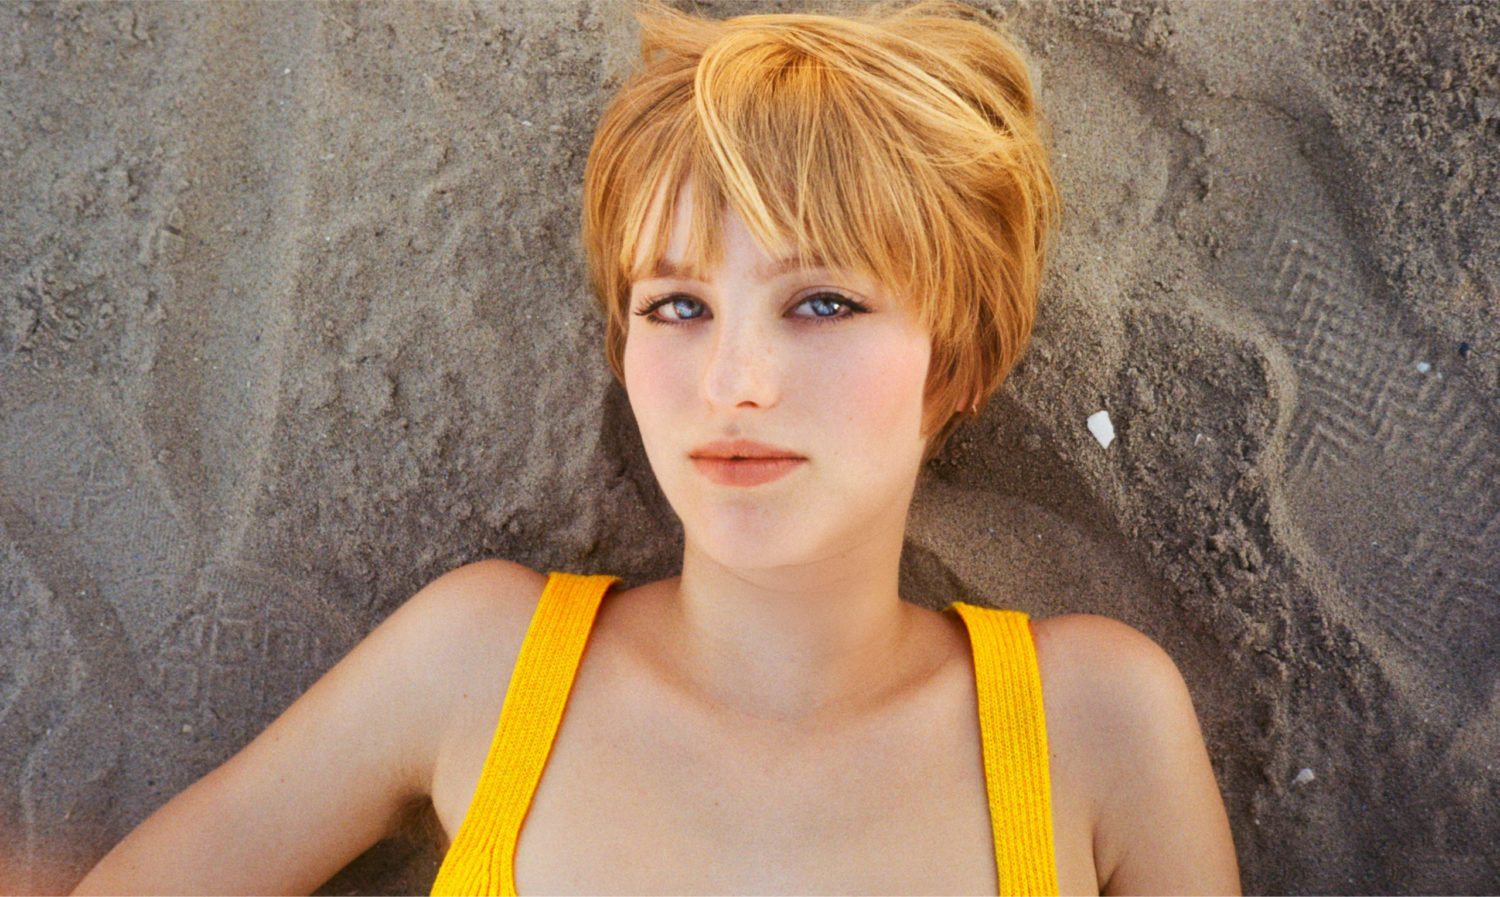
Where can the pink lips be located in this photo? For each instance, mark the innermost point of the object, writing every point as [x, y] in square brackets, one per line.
[743, 462]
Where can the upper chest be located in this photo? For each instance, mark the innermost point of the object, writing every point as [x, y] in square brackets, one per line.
[643, 791]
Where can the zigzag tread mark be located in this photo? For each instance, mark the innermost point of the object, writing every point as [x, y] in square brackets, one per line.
[1363, 404]
[242, 653]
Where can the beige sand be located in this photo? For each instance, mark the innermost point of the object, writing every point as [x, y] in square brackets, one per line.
[292, 320]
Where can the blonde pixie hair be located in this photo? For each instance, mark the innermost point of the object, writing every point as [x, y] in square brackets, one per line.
[902, 144]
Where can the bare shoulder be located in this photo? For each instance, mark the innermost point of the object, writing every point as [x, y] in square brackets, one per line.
[1107, 670]
[335, 771]
[1115, 703]
[479, 607]
[1123, 734]
[466, 626]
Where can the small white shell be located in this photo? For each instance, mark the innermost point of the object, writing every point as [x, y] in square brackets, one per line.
[1100, 426]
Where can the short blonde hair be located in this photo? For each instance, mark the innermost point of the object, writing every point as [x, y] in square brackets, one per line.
[902, 144]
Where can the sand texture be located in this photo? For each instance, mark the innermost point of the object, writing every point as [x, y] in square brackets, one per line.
[292, 319]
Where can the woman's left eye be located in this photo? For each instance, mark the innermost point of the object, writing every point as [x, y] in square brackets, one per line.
[829, 306]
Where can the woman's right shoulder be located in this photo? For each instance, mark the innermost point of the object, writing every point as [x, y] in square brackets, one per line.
[461, 635]
[475, 615]
[336, 771]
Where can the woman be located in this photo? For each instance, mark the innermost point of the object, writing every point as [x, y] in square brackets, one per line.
[817, 242]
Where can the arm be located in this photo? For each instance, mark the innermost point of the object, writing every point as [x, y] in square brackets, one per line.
[1126, 724]
[333, 773]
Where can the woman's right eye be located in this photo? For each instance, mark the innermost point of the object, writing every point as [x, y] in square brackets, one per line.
[675, 309]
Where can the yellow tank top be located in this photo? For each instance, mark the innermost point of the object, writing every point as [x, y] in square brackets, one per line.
[1012, 731]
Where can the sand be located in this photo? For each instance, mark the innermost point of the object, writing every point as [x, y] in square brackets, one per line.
[292, 319]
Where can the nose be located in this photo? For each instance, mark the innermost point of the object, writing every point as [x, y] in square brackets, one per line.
[742, 369]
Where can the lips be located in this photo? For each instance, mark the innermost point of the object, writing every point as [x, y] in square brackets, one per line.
[742, 449]
[744, 462]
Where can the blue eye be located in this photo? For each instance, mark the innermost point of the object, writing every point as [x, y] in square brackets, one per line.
[830, 306]
[682, 309]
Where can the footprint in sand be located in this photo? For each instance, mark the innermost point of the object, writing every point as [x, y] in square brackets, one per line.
[1391, 460]
[92, 511]
[126, 491]
[1389, 453]
[76, 474]
[137, 663]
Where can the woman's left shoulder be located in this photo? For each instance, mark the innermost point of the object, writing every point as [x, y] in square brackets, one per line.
[1107, 683]
[1124, 737]
[1107, 659]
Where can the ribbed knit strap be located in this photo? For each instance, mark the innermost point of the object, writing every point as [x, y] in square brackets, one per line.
[1013, 730]
[482, 857]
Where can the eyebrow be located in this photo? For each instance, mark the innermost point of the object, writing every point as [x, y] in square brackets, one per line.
[666, 268]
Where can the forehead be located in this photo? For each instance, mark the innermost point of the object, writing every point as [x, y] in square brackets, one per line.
[675, 253]
[681, 256]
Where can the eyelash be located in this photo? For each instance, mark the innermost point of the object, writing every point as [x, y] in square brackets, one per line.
[854, 308]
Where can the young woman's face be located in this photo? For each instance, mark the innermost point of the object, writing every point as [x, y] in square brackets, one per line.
[780, 406]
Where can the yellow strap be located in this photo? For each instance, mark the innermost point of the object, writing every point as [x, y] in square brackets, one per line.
[1013, 730]
[1012, 727]
[482, 857]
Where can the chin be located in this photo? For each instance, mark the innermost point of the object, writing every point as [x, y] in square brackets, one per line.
[748, 535]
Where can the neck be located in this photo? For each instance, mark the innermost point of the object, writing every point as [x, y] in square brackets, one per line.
[813, 640]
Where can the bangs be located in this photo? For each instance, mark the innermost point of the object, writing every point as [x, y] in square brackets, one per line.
[786, 138]
[900, 146]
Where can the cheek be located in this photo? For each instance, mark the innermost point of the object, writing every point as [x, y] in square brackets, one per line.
[881, 387]
[655, 380]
